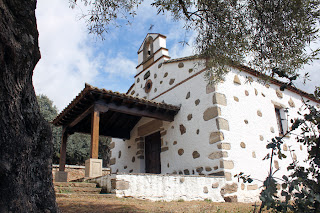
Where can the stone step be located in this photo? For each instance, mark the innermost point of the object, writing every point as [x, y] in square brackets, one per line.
[70, 195]
[75, 184]
[78, 190]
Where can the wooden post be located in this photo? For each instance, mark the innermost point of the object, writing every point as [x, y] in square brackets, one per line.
[95, 119]
[63, 150]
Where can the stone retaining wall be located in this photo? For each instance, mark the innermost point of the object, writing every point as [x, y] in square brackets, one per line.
[75, 172]
[165, 187]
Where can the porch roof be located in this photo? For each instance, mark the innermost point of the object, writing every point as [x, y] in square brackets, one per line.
[119, 112]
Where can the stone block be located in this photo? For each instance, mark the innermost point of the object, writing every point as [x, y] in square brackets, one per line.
[229, 188]
[171, 81]
[231, 199]
[195, 155]
[197, 102]
[242, 145]
[93, 167]
[228, 176]
[61, 176]
[218, 155]
[236, 80]
[188, 95]
[225, 146]
[210, 88]
[181, 64]
[215, 185]
[205, 190]
[180, 152]
[291, 103]
[252, 187]
[222, 124]
[211, 112]
[227, 164]
[279, 93]
[122, 185]
[163, 149]
[182, 129]
[112, 145]
[216, 137]
[112, 161]
[236, 98]
[220, 99]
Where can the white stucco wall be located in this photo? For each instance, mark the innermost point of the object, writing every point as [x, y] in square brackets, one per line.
[243, 145]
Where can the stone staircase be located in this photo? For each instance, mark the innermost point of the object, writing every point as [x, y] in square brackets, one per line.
[67, 189]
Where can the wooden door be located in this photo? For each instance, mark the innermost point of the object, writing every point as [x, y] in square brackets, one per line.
[152, 153]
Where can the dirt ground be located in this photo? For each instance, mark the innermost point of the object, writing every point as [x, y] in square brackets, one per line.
[96, 204]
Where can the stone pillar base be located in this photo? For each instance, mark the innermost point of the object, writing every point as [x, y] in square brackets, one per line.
[93, 168]
[61, 176]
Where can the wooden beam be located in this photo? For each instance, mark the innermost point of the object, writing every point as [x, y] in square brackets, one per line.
[63, 150]
[114, 132]
[136, 112]
[81, 117]
[95, 119]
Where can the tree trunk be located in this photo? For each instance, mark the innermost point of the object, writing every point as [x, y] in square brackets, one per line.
[25, 137]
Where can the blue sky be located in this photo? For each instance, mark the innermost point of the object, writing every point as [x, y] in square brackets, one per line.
[71, 56]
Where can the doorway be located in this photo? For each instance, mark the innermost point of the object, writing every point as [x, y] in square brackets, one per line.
[152, 153]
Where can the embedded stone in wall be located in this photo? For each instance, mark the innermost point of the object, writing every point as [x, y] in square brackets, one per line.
[263, 94]
[222, 124]
[211, 112]
[186, 172]
[210, 88]
[219, 98]
[122, 185]
[252, 187]
[159, 65]
[276, 164]
[246, 121]
[242, 186]
[279, 93]
[190, 70]
[255, 91]
[208, 169]
[138, 80]
[131, 170]
[133, 159]
[182, 180]
[216, 137]
[180, 152]
[300, 147]
[125, 167]
[197, 102]
[155, 89]
[261, 138]
[112, 145]
[175, 142]
[163, 133]
[285, 147]
[250, 79]
[294, 156]
[272, 129]
[132, 93]
[228, 189]
[171, 81]
[161, 82]
[218, 155]
[228, 176]
[231, 199]
[165, 75]
[195, 154]
[242, 145]
[182, 129]
[140, 145]
[246, 92]
[198, 131]
[259, 113]
[227, 164]
[291, 103]
[155, 76]
[119, 154]
[199, 170]
[225, 146]
[168, 165]
[163, 149]
[180, 65]
[236, 98]
[236, 80]
[215, 167]
[254, 154]
[205, 190]
[215, 185]
[267, 85]
[112, 161]
[140, 152]
[188, 95]
[189, 117]
[147, 75]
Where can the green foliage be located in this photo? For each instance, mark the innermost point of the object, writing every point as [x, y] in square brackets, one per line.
[78, 145]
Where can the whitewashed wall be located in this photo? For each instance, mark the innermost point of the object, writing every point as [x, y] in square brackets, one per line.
[220, 130]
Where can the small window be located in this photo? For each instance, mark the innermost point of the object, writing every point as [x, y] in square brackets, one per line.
[281, 116]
